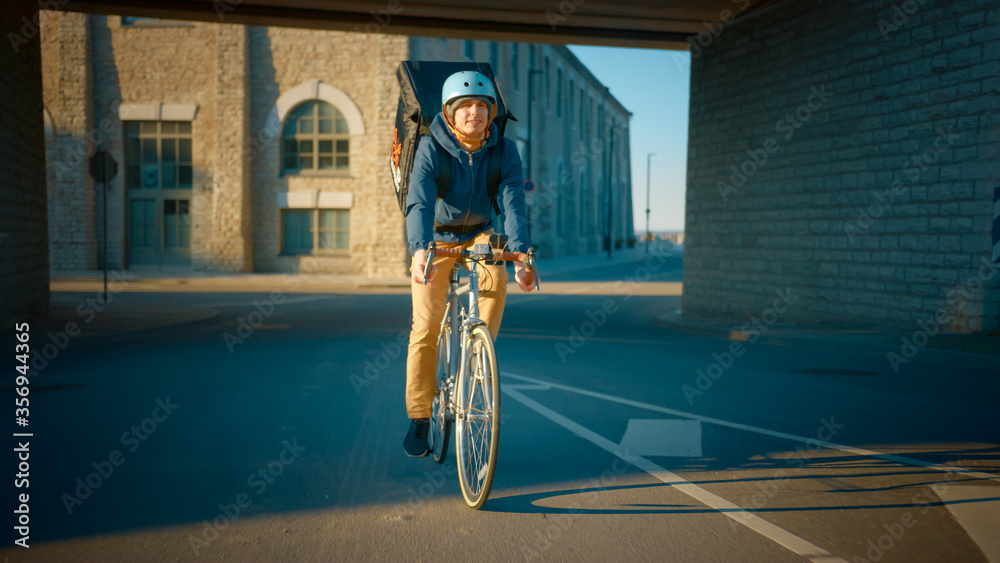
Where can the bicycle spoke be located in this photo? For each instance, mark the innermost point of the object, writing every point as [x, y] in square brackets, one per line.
[479, 410]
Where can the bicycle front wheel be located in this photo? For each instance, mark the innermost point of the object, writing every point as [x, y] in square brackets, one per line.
[477, 437]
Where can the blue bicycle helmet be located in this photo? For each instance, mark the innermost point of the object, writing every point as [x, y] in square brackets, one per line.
[467, 83]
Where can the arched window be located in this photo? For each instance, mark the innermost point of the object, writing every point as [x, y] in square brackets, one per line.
[315, 139]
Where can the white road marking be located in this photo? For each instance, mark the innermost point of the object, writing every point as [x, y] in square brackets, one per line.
[764, 431]
[663, 437]
[977, 509]
[775, 533]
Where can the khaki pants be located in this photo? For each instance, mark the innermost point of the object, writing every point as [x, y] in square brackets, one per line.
[428, 309]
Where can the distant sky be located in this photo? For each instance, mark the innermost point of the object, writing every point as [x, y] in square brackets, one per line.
[654, 86]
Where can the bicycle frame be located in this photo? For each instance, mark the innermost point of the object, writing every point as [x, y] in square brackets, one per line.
[461, 319]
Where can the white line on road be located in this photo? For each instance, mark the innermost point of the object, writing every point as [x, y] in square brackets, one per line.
[775, 533]
[764, 431]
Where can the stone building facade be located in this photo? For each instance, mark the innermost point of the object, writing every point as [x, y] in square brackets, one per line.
[847, 152]
[266, 149]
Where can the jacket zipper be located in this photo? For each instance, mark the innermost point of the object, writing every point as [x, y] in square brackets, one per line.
[472, 192]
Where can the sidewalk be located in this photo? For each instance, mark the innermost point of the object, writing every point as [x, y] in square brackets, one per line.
[70, 311]
[211, 282]
[140, 315]
[778, 333]
[570, 264]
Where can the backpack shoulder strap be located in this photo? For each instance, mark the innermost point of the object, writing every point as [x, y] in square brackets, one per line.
[493, 173]
[444, 169]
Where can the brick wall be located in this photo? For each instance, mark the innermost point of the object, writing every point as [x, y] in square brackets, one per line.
[235, 75]
[283, 59]
[846, 151]
[24, 231]
[230, 239]
[68, 85]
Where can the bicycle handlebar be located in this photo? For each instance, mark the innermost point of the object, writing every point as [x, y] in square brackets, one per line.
[528, 259]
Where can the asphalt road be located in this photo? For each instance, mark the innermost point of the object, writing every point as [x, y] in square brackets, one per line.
[623, 438]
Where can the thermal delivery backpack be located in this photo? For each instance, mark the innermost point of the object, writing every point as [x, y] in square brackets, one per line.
[420, 85]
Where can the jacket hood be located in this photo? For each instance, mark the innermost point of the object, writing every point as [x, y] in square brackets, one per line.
[440, 131]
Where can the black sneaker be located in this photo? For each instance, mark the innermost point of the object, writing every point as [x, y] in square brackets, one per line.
[415, 442]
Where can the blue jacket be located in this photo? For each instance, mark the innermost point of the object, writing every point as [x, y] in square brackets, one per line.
[468, 200]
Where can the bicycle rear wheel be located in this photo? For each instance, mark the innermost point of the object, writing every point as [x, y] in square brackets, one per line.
[477, 438]
[440, 433]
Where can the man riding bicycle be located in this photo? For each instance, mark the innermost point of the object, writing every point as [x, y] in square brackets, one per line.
[460, 219]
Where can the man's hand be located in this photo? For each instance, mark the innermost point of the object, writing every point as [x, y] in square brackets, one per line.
[520, 273]
[417, 268]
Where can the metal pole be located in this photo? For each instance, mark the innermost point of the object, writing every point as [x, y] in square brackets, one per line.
[648, 237]
[531, 103]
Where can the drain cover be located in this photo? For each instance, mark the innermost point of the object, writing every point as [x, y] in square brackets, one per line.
[832, 371]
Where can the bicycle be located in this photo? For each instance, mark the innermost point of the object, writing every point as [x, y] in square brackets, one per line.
[468, 382]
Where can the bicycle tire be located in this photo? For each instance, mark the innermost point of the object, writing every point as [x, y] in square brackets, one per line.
[477, 437]
[440, 433]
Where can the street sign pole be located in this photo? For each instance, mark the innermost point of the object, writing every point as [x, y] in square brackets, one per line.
[648, 237]
[102, 169]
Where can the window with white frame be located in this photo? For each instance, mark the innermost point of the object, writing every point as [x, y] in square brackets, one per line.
[315, 231]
